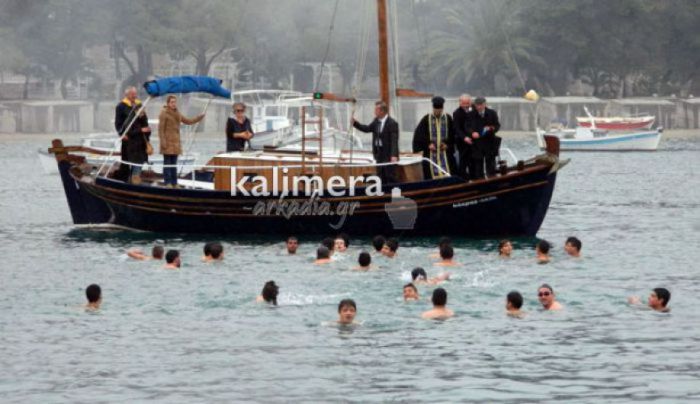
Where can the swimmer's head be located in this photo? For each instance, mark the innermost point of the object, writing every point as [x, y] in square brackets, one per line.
[93, 293]
[364, 259]
[573, 246]
[378, 243]
[329, 243]
[207, 249]
[292, 244]
[543, 247]
[545, 294]
[410, 292]
[322, 252]
[439, 297]
[339, 244]
[505, 248]
[514, 300]
[270, 291]
[346, 311]
[173, 257]
[659, 298]
[446, 252]
[216, 250]
[419, 274]
[157, 252]
[390, 247]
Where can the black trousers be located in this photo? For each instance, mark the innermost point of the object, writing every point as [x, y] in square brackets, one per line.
[465, 164]
[477, 168]
[387, 174]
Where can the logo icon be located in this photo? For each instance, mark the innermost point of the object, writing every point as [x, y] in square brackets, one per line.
[402, 211]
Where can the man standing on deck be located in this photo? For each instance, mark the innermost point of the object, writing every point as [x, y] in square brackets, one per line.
[463, 138]
[133, 147]
[484, 124]
[385, 141]
[434, 137]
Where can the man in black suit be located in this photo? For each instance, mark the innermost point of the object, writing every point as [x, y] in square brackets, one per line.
[483, 125]
[385, 140]
[463, 139]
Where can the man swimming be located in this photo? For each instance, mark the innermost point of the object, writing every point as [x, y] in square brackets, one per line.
[446, 253]
[329, 243]
[442, 242]
[542, 252]
[364, 261]
[573, 247]
[172, 259]
[269, 293]
[347, 309]
[419, 276]
[410, 292]
[545, 294]
[323, 256]
[505, 248]
[439, 311]
[94, 297]
[156, 253]
[378, 243]
[658, 300]
[390, 247]
[339, 245]
[213, 251]
[292, 245]
[514, 301]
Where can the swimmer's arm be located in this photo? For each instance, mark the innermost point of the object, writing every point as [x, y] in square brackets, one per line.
[136, 254]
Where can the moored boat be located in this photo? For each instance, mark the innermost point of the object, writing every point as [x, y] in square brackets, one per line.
[588, 139]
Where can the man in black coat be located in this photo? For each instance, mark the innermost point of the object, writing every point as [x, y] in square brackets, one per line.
[435, 138]
[463, 139]
[133, 148]
[483, 126]
[385, 141]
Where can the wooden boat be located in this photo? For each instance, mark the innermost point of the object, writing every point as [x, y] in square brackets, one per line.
[616, 123]
[312, 190]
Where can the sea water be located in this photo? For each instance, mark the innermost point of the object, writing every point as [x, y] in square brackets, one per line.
[196, 334]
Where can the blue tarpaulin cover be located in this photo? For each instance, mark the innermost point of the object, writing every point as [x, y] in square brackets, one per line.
[186, 84]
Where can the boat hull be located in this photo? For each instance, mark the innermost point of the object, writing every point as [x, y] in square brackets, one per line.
[511, 205]
[618, 124]
[640, 141]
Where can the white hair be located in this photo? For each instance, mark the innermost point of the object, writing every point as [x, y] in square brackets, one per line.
[465, 97]
[126, 91]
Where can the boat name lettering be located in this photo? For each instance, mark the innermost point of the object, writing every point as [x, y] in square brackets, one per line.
[473, 202]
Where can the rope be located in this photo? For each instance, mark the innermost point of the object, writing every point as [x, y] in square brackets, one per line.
[328, 46]
[193, 131]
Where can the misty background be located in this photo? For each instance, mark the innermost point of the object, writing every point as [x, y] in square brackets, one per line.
[91, 50]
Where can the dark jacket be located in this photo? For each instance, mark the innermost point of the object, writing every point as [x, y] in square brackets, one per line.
[421, 142]
[233, 126]
[460, 119]
[385, 145]
[488, 143]
[134, 149]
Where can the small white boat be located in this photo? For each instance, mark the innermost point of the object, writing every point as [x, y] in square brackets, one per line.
[587, 139]
[108, 142]
[617, 123]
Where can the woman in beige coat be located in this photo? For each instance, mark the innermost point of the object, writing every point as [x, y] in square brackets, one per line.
[169, 133]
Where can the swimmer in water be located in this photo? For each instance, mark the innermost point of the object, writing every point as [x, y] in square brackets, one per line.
[573, 247]
[157, 253]
[542, 252]
[322, 256]
[364, 261]
[378, 243]
[347, 309]
[94, 297]
[292, 245]
[269, 293]
[410, 293]
[329, 243]
[658, 300]
[514, 301]
[446, 253]
[545, 294]
[443, 241]
[339, 245]
[505, 248]
[213, 251]
[172, 259]
[390, 247]
[420, 277]
[439, 311]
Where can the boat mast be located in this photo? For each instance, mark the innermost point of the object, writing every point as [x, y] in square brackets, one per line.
[383, 52]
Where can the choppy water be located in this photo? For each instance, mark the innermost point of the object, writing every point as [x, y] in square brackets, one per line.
[196, 335]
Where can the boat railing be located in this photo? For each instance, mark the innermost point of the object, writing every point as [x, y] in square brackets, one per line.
[308, 166]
